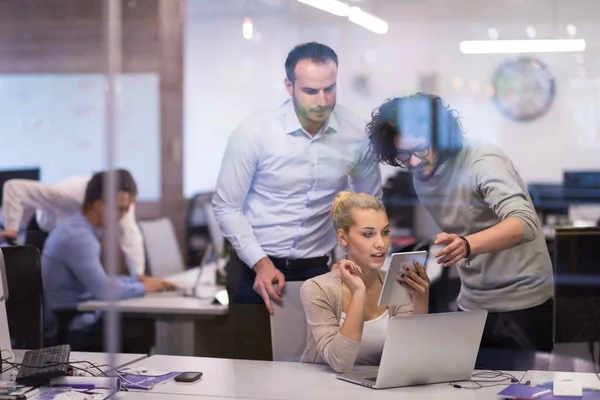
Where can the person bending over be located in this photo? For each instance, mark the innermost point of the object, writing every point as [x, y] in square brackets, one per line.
[43, 206]
[490, 229]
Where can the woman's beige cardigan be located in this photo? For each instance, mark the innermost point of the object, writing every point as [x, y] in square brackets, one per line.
[322, 300]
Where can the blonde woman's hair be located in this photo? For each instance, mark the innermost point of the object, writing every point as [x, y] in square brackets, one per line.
[345, 202]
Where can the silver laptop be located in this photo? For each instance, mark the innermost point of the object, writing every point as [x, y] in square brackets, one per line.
[426, 348]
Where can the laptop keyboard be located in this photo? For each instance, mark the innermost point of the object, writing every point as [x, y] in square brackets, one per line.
[371, 379]
[39, 366]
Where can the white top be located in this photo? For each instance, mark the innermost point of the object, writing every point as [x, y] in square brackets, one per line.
[52, 203]
[373, 339]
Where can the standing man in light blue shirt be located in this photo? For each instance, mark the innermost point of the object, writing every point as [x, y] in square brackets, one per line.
[279, 176]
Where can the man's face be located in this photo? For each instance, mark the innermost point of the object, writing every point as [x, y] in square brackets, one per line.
[124, 201]
[314, 90]
[416, 155]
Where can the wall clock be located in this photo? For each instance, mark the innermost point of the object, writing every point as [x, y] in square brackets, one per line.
[524, 89]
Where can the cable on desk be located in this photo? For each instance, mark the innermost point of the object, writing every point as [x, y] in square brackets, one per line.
[496, 378]
[125, 379]
[70, 364]
[12, 355]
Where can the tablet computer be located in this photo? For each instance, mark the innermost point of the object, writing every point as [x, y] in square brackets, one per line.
[392, 293]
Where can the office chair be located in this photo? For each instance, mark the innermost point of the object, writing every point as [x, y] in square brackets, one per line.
[288, 325]
[34, 236]
[25, 305]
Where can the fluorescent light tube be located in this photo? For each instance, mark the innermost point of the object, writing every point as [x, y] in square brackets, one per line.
[521, 46]
[367, 21]
[247, 29]
[334, 7]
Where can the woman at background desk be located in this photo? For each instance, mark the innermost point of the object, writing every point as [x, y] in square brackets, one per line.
[346, 325]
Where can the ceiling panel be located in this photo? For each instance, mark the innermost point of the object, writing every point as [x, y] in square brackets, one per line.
[209, 8]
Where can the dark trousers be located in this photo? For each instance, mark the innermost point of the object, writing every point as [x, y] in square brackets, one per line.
[249, 322]
[511, 339]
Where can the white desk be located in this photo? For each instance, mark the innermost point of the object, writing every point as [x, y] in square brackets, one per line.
[588, 380]
[175, 315]
[162, 396]
[289, 381]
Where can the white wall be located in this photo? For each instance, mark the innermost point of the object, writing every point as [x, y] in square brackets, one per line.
[57, 122]
[228, 78]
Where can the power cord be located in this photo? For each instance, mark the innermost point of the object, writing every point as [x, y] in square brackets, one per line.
[12, 355]
[85, 370]
[116, 371]
[125, 379]
[496, 378]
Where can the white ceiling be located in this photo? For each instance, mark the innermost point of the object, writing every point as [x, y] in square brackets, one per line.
[204, 8]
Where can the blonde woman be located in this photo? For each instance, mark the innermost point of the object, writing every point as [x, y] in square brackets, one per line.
[346, 326]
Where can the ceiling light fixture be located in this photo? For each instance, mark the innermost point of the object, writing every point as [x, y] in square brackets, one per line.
[334, 7]
[521, 46]
[367, 21]
[247, 29]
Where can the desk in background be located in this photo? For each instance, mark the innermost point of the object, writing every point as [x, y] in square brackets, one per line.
[289, 381]
[184, 325]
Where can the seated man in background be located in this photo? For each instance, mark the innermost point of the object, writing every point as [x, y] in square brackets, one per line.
[25, 199]
[72, 271]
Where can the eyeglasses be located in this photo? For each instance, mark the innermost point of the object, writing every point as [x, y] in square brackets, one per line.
[419, 152]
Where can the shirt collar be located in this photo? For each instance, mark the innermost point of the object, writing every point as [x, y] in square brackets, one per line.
[96, 231]
[292, 124]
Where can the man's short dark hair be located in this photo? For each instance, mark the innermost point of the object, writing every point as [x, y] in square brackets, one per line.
[95, 187]
[316, 52]
[419, 115]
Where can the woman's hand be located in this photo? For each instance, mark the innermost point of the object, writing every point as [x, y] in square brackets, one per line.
[351, 276]
[417, 284]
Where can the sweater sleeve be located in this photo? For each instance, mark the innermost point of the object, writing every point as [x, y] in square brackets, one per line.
[499, 183]
[337, 350]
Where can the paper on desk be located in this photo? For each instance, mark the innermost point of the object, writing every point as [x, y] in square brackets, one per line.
[145, 382]
[100, 382]
[588, 394]
[187, 279]
[47, 393]
[141, 371]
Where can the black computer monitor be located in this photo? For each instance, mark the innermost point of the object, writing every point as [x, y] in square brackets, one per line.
[548, 199]
[399, 198]
[577, 282]
[32, 173]
[581, 187]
